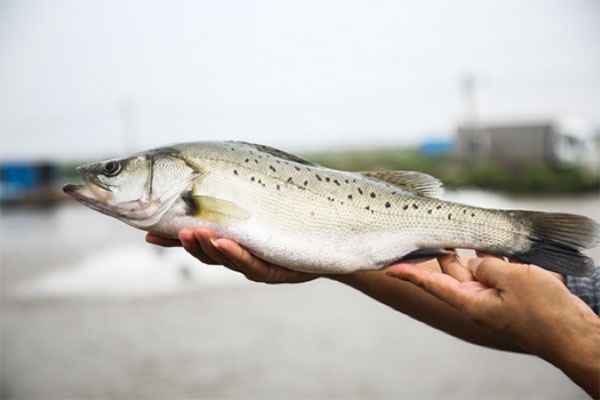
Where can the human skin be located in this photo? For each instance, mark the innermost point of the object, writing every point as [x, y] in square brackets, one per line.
[524, 303]
[486, 301]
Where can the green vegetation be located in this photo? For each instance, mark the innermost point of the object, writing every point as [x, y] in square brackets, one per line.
[68, 170]
[456, 173]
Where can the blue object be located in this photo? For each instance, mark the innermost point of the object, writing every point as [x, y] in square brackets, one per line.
[18, 178]
[436, 147]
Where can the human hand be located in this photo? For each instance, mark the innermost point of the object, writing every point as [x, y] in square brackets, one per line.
[207, 247]
[526, 303]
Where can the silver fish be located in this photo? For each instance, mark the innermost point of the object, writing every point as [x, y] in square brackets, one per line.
[292, 212]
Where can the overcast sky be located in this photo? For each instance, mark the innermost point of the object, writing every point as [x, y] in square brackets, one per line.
[303, 74]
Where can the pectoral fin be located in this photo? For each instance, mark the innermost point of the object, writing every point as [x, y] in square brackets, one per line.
[215, 210]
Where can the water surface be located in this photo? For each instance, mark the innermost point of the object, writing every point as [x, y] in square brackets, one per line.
[90, 311]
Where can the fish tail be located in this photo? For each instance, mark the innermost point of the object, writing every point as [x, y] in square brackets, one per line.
[556, 241]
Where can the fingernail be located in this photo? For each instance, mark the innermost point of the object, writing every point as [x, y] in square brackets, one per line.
[215, 243]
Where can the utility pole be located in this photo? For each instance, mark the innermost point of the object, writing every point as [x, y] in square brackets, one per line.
[468, 88]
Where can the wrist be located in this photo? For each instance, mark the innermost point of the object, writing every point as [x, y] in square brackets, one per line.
[577, 353]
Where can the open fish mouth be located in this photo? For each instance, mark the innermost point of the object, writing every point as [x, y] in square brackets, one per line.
[99, 199]
[92, 196]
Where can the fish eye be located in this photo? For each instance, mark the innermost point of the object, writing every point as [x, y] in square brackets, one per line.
[112, 168]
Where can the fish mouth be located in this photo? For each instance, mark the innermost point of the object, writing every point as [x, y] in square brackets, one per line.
[98, 198]
[92, 196]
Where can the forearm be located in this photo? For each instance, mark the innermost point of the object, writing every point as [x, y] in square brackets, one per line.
[420, 305]
[575, 349]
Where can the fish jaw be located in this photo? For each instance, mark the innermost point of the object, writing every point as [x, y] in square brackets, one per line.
[136, 213]
[92, 196]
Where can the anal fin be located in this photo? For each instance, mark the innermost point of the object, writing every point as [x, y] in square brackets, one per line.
[421, 255]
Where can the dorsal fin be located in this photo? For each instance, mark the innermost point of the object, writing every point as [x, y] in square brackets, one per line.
[415, 182]
[279, 153]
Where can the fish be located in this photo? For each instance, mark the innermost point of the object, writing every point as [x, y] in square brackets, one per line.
[307, 217]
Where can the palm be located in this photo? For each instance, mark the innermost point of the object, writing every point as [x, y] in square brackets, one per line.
[452, 283]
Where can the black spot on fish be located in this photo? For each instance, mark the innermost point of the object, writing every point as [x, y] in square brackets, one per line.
[405, 207]
[272, 168]
[346, 181]
[367, 208]
[336, 182]
[318, 177]
[278, 162]
[416, 207]
[278, 187]
[260, 181]
[350, 197]
[393, 193]
[464, 211]
[327, 179]
[246, 160]
[372, 195]
[305, 183]
[449, 216]
[252, 178]
[297, 168]
[429, 211]
[472, 214]
[289, 180]
[439, 207]
[387, 204]
[235, 172]
[256, 161]
[353, 180]
[360, 191]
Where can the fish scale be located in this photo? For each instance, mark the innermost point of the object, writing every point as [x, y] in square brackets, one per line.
[306, 217]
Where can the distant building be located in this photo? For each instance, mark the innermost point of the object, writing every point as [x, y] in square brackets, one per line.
[520, 143]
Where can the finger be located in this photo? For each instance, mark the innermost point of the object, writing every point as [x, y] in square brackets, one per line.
[559, 276]
[254, 268]
[490, 271]
[160, 241]
[442, 286]
[204, 237]
[451, 265]
[190, 244]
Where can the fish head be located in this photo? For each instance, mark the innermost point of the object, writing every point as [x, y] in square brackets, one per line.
[137, 190]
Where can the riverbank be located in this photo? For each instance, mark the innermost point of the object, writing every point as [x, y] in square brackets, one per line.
[531, 179]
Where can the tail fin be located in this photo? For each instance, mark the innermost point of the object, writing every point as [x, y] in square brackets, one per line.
[556, 241]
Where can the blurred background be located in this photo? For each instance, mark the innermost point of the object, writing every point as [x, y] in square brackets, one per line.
[501, 100]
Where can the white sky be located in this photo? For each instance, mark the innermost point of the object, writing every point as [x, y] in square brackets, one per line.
[304, 74]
